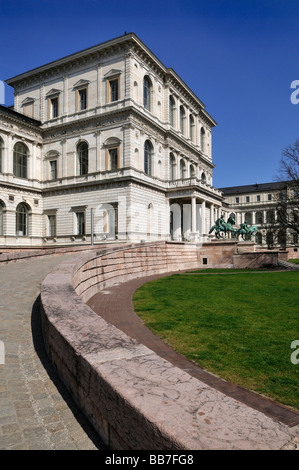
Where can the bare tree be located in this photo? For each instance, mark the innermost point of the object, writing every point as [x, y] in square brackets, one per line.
[289, 164]
[288, 200]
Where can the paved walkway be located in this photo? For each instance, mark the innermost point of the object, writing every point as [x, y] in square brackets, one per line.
[36, 411]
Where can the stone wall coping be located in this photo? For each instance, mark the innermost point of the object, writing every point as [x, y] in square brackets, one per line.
[133, 397]
[24, 253]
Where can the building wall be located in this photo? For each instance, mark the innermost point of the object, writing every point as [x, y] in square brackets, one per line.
[257, 205]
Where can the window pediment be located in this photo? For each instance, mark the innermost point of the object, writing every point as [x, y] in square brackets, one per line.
[81, 83]
[113, 73]
[52, 154]
[28, 100]
[112, 141]
[53, 92]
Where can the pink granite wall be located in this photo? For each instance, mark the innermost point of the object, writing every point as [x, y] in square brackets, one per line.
[293, 252]
[98, 363]
[121, 265]
[134, 398]
[255, 260]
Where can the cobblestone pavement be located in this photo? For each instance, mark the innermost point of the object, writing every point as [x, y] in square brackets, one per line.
[36, 411]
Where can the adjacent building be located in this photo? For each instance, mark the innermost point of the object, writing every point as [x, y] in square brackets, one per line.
[257, 204]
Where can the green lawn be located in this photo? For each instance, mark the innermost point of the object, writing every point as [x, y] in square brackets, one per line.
[238, 326]
[296, 261]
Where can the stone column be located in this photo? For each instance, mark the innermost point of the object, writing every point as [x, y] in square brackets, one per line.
[33, 174]
[212, 216]
[42, 115]
[9, 156]
[6, 155]
[65, 96]
[203, 217]
[98, 150]
[193, 214]
[64, 157]
[100, 91]
[128, 76]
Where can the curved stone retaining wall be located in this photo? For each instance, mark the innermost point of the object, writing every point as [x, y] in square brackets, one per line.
[134, 398]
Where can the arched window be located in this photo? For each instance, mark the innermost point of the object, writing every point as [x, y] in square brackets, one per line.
[82, 158]
[148, 155]
[192, 171]
[22, 220]
[202, 139]
[1, 154]
[171, 166]
[203, 178]
[269, 238]
[182, 119]
[182, 169]
[191, 127]
[259, 238]
[147, 91]
[270, 217]
[259, 218]
[2, 206]
[248, 218]
[171, 110]
[20, 160]
[281, 237]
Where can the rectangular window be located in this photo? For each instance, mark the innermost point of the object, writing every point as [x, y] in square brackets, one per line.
[258, 198]
[20, 166]
[114, 90]
[53, 170]
[54, 107]
[28, 109]
[247, 199]
[80, 218]
[237, 200]
[82, 99]
[52, 225]
[269, 197]
[113, 157]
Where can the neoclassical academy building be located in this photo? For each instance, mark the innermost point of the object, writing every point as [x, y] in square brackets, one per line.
[109, 144]
[106, 141]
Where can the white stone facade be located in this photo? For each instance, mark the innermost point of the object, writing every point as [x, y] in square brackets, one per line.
[107, 138]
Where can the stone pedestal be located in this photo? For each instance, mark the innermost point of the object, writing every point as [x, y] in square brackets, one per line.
[246, 246]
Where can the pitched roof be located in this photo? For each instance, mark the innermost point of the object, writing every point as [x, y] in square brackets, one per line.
[254, 188]
[21, 117]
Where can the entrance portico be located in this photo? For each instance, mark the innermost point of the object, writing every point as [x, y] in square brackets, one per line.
[192, 215]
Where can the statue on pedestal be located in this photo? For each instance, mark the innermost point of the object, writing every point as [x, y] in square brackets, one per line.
[221, 227]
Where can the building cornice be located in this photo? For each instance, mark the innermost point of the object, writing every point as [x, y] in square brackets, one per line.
[20, 187]
[76, 57]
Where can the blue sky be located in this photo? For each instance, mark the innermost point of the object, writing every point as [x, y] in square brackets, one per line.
[238, 56]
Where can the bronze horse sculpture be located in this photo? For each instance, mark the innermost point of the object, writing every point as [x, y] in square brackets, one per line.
[223, 227]
[246, 232]
[227, 227]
